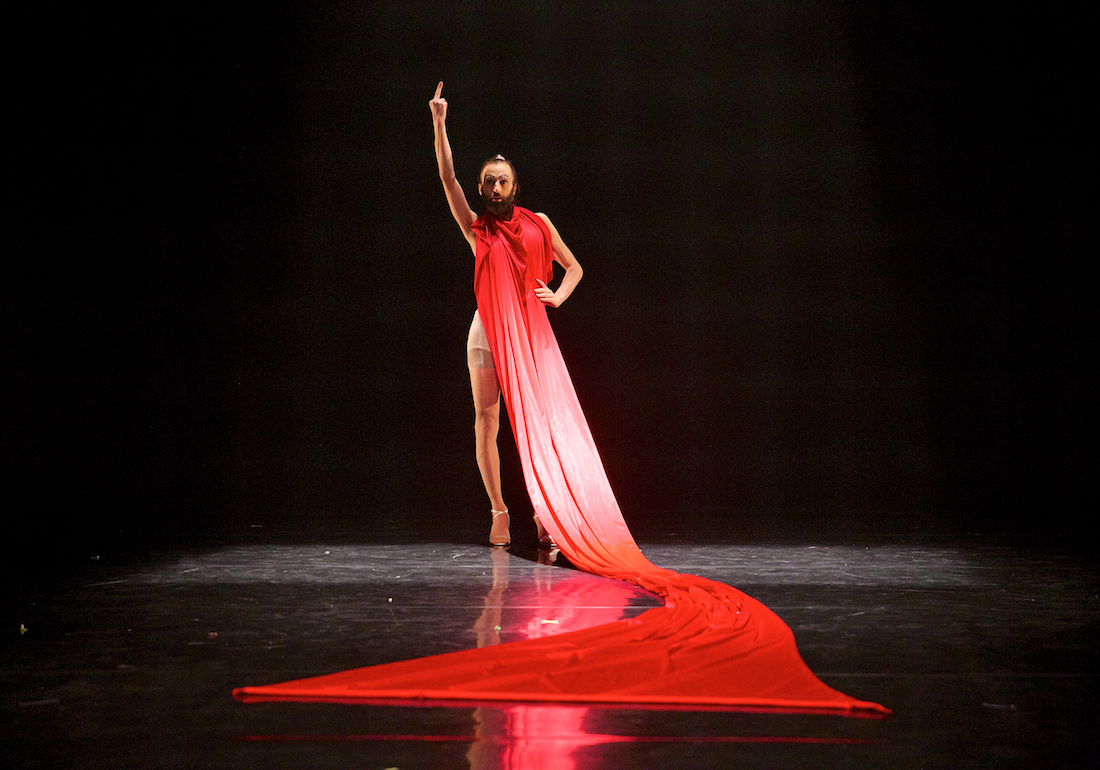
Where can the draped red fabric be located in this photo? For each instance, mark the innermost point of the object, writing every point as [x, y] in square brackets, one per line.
[709, 645]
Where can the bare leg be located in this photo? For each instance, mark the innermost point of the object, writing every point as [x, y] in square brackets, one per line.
[486, 391]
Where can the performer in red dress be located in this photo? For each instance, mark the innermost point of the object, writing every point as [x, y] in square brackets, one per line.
[527, 238]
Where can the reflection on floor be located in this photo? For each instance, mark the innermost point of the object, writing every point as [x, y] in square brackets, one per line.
[986, 655]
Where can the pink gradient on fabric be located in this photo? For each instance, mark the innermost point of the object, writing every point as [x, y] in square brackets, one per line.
[709, 645]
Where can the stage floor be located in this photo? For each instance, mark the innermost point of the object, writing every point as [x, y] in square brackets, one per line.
[986, 654]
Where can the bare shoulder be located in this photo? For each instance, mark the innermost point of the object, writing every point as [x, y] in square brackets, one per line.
[546, 219]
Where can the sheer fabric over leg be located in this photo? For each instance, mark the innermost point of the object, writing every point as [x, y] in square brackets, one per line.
[478, 354]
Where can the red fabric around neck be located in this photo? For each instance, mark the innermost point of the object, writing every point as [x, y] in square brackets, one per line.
[709, 645]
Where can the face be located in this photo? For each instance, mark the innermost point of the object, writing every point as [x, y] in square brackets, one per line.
[498, 188]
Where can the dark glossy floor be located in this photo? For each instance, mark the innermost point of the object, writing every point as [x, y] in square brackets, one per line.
[986, 653]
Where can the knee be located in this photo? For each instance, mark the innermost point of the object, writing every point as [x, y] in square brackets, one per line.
[486, 422]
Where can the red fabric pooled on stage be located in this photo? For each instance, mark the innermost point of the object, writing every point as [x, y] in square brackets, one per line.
[709, 645]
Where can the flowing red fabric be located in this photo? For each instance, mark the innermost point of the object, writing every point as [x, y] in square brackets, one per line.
[709, 645]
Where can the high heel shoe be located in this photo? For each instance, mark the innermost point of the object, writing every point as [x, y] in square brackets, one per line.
[498, 539]
[545, 541]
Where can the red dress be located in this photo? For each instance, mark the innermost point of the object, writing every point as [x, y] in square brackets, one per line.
[709, 645]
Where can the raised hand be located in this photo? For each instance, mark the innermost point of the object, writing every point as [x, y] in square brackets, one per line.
[438, 104]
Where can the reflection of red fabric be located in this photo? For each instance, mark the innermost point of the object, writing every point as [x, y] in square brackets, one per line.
[573, 601]
[529, 737]
[709, 645]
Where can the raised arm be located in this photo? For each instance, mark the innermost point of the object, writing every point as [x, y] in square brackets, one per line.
[564, 257]
[460, 207]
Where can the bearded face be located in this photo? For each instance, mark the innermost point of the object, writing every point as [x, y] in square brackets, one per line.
[498, 188]
[498, 206]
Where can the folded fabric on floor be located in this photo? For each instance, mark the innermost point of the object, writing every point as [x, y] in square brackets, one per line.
[709, 645]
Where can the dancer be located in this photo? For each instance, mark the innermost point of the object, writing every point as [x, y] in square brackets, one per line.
[497, 186]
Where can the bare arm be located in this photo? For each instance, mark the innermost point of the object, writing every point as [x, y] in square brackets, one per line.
[564, 257]
[456, 198]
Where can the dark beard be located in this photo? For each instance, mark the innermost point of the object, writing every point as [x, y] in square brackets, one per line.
[501, 209]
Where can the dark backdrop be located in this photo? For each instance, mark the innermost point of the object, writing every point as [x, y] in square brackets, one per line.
[831, 254]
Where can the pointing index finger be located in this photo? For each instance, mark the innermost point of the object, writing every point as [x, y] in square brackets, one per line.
[438, 90]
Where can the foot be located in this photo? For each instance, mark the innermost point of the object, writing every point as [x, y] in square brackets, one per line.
[548, 556]
[545, 541]
[498, 534]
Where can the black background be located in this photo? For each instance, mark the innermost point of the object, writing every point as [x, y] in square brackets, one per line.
[833, 264]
